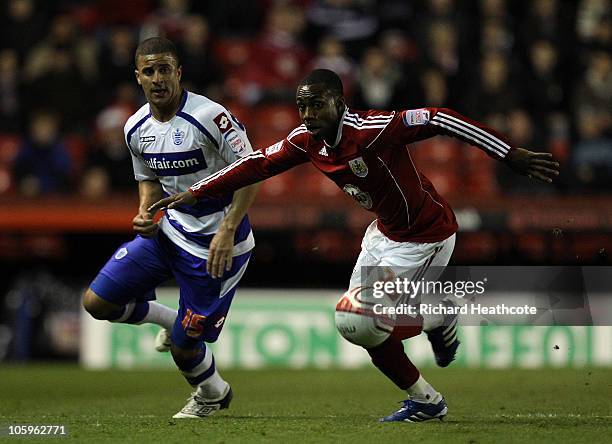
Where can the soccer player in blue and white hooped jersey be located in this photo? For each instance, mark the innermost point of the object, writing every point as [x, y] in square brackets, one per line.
[176, 139]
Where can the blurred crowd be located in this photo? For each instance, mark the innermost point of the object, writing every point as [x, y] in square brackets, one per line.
[539, 71]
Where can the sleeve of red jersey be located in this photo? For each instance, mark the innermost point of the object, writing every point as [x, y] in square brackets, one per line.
[255, 167]
[418, 124]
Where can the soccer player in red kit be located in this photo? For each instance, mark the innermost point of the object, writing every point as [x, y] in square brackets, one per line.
[366, 154]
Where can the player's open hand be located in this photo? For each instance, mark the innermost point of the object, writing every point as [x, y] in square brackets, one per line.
[143, 224]
[534, 165]
[176, 200]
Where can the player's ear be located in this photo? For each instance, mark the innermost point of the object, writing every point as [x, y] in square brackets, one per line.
[340, 104]
[179, 72]
[137, 74]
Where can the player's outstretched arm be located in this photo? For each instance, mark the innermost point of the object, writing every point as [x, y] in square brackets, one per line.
[184, 198]
[255, 167]
[427, 122]
[534, 165]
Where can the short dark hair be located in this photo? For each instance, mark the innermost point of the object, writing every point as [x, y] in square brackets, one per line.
[156, 45]
[327, 77]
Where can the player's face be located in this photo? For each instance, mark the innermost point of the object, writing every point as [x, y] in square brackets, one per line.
[160, 76]
[320, 110]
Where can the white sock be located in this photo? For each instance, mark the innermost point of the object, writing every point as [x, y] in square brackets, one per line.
[161, 315]
[422, 391]
[213, 388]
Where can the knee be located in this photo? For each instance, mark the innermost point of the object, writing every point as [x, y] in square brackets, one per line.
[97, 307]
[359, 324]
[184, 358]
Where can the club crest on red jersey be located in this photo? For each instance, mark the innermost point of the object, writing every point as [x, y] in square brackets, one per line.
[359, 167]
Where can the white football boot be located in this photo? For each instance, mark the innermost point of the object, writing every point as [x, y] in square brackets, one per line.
[162, 341]
[198, 407]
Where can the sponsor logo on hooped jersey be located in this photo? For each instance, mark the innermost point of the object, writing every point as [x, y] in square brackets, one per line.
[364, 199]
[175, 164]
[359, 167]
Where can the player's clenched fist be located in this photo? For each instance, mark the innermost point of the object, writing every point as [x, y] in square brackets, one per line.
[184, 198]
[143, 224]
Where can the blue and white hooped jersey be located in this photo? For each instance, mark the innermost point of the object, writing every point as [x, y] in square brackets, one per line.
[202, 138]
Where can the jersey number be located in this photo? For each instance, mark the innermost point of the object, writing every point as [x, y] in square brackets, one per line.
[193, 324]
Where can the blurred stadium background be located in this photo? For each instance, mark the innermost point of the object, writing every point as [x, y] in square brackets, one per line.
[539, 71]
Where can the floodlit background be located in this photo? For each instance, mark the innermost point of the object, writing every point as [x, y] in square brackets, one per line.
[539, 71]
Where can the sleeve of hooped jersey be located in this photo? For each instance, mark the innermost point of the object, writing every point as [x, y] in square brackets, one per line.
[255, 167]
[141, 169]
[419, 124]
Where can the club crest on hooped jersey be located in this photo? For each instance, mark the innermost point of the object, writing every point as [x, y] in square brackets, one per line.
[178, 136]
[359, 167]
[364, 199]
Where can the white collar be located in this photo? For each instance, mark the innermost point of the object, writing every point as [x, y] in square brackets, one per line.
[339, 133]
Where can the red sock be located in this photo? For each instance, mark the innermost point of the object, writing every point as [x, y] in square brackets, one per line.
[407, 327]
[391, 359]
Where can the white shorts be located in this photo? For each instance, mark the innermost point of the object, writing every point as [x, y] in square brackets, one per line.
[412, 260]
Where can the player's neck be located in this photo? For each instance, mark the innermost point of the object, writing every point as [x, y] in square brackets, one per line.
[330, 136]
[166, 113]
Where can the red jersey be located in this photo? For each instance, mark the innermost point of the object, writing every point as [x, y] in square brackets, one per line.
[370, 161]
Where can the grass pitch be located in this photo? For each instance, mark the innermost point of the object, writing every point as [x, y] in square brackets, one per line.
[548, 405]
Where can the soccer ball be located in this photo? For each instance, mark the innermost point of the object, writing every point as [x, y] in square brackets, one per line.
[358, 317]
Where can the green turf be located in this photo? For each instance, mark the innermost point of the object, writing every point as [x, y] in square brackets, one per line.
[548, 405]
